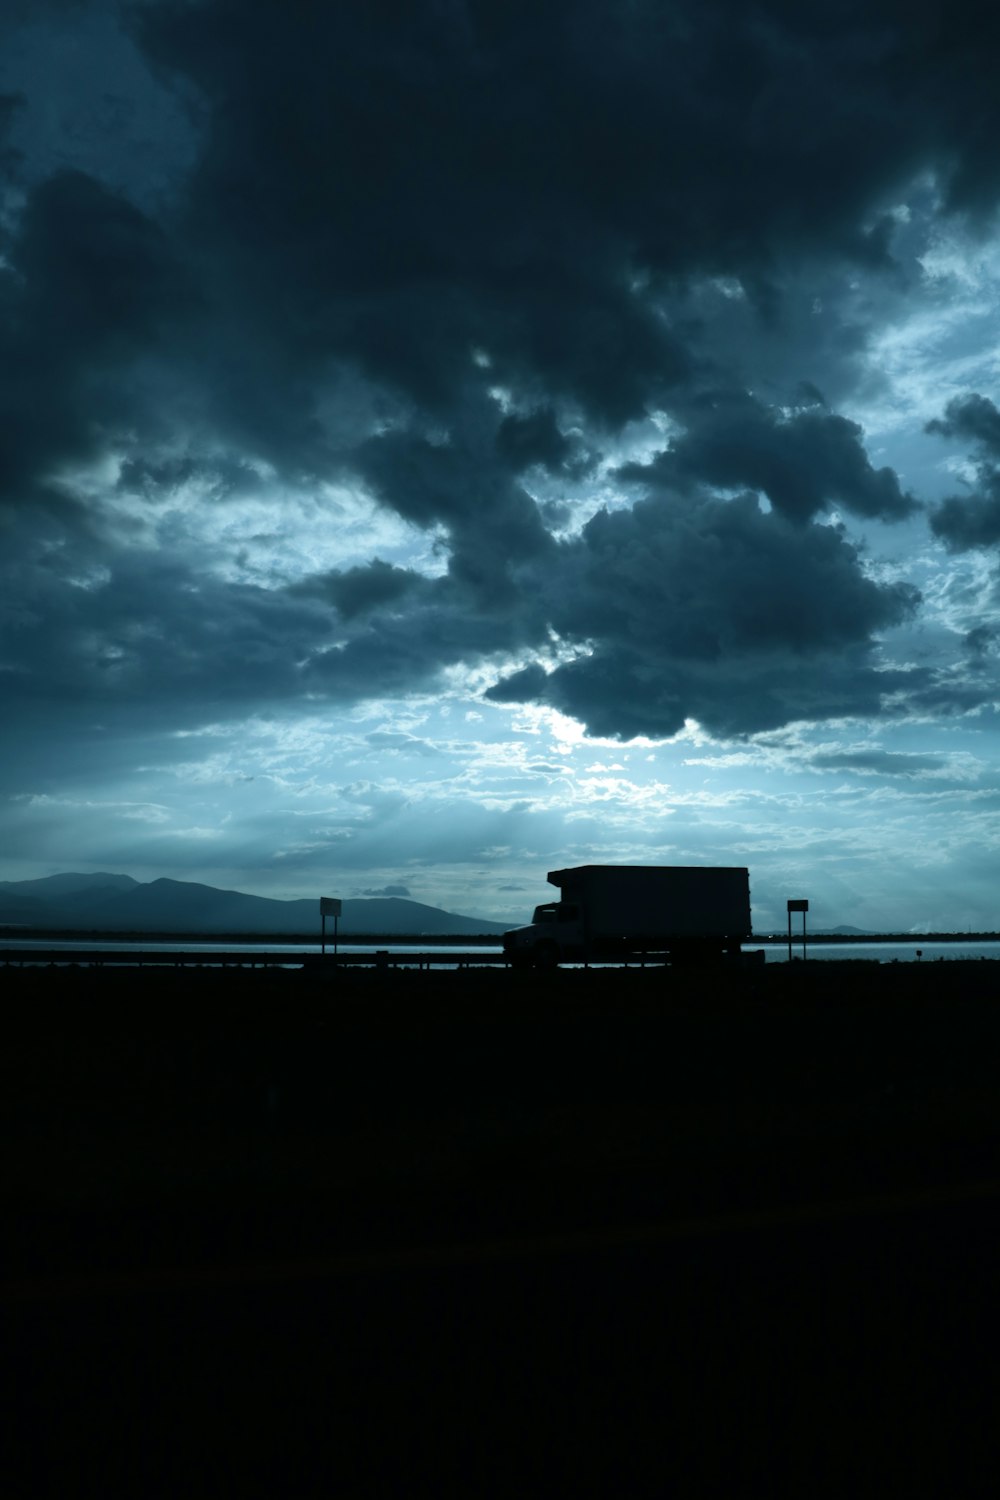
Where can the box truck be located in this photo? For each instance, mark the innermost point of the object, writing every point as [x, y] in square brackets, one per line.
[679, 912]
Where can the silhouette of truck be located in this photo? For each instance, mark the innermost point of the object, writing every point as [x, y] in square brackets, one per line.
[682, 913]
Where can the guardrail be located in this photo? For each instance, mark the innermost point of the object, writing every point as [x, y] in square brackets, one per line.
[178, 958]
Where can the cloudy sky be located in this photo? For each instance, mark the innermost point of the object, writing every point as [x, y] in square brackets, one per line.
[450, 440]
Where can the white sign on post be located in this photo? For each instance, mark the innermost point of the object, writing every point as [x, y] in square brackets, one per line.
[329, 906]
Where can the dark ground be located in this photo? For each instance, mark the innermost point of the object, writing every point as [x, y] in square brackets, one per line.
[603, 1234]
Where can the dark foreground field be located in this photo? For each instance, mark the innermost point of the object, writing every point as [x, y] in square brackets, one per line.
[606, 1234]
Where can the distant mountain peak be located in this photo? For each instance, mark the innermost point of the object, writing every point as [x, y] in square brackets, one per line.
[117, 903]
[51, 885]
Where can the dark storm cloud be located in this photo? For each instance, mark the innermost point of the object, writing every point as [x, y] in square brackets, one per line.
[157, 478]
[730, 577]
[616, 695]
[364, 590]
[711, 609]
[802, 462]
[685, 605]
[450, 481]
[92, 286]
[972, 520]
[449, 251]
[973, 418]
[981, 643]
[967, 521]
[395, 187]
[10, 157]
[141, 638]
[428, 185]
[493, 524]
[405, 651]
[534, 438]
[878, 762]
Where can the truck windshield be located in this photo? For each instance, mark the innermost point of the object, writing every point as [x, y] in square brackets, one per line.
[556, 911]
[546, 913]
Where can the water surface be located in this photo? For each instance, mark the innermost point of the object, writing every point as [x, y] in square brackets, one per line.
[914, 951]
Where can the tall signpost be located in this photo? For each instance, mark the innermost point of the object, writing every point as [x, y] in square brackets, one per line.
[329, 906]
[803, 907]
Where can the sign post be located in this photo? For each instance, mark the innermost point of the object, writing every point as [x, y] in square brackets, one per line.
[329, 906]
[803, 907]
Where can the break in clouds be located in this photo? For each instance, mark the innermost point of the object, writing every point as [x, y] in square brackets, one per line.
[346, 347]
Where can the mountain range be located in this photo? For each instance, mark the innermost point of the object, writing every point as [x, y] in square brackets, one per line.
[117, 903]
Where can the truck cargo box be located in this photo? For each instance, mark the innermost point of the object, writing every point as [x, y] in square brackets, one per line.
[658, 901]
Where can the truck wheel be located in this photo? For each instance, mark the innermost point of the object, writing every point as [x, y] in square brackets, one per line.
[546, 955]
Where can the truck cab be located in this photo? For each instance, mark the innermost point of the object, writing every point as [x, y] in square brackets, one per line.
[555, 933]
